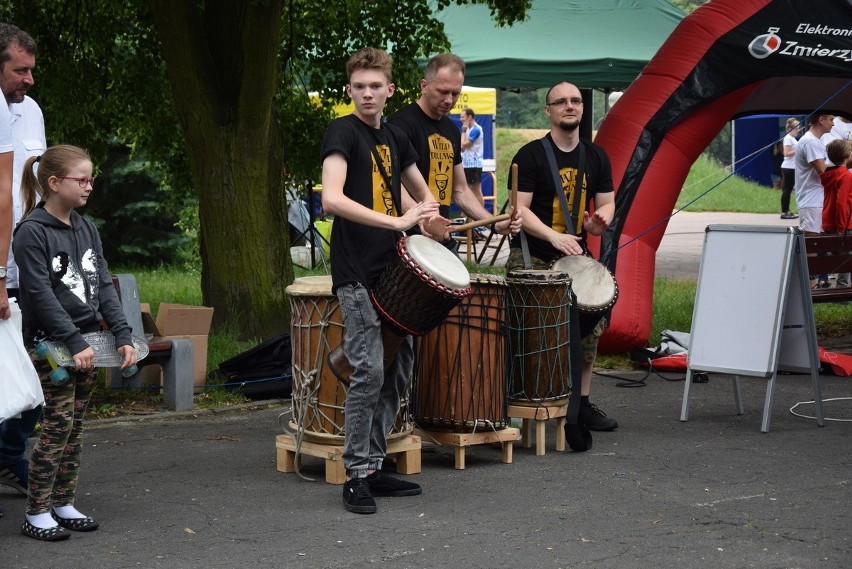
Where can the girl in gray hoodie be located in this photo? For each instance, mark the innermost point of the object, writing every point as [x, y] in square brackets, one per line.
[65, 291]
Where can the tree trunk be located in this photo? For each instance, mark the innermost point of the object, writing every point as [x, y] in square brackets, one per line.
[222, 61]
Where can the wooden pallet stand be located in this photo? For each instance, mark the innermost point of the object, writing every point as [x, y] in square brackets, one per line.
[460, 441]
[407, 449]
[539, 415]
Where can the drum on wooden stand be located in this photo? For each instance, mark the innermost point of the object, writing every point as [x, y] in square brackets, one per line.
[318, 397]
[538, 309]
[414, 294]
[460, 370]
[594, 286]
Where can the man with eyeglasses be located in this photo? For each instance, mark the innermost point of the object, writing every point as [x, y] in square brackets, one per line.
[437, 140]
[548, 233]
[17, 61]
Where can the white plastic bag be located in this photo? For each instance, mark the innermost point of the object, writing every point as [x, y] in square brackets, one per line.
[20, 388]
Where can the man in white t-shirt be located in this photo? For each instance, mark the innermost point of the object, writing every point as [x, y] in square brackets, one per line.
[26, 123]
[842, 130]
[810, 163]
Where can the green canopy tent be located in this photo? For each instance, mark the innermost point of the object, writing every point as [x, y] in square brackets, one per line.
[595, 44]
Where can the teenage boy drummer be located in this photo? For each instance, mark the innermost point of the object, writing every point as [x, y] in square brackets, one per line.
[364, 162]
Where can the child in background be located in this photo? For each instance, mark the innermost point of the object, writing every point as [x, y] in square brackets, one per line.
[65, 291]
[837, 187]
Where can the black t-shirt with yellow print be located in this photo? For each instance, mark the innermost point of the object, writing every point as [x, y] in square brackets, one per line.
[438, 145]
[360, 253]
[534, 175]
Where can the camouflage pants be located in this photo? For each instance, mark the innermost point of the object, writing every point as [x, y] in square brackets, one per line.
[55, 460]
[588, 343]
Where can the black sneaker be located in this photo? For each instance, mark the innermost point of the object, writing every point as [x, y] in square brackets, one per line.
[357, 497]
[595, 419]
[383, 485]
[15, 474]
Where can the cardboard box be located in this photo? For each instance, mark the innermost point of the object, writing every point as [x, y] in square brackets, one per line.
[179, 321]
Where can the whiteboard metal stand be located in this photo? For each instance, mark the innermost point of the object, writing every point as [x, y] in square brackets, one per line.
[753, 312]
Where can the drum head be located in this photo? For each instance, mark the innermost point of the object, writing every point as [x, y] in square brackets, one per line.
[316, 285]
[590, 280]
[438, 261]
[537, 276]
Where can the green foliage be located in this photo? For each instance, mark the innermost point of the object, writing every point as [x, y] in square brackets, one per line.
[522, 109]
[127, 207]
[306, 122]
[100, 77]
[216, 398]
[688, 5]
[187, 254]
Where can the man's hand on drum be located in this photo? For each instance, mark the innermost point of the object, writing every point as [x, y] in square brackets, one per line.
[594, 224]
[436, 227]
[509, 226]
[568, 244]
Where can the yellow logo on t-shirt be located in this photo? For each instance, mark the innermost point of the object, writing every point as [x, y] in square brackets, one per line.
[382, 197]
[441, 158]
[568, 176]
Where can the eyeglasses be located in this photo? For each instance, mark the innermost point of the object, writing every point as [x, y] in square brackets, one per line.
[83, 181]
[575, 102]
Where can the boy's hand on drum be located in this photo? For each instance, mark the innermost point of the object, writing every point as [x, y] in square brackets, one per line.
[129, 354]
[418, 213]
[436, 227]
[568, 244]
[595, 224]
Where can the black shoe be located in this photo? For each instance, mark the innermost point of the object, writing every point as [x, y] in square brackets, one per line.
[595, 419]
[55, 533]
[357, 497]
[383, 485]
[75, 524]
[15, 474]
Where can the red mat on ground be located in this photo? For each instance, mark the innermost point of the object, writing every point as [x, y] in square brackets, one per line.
[840, 364]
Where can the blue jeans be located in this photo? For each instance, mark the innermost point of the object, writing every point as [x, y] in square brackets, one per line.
[372, 401]
[14, 434]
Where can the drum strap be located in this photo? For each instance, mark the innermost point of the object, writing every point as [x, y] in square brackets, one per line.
[572, 222]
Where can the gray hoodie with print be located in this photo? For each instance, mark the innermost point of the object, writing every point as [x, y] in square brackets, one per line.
[65, 284]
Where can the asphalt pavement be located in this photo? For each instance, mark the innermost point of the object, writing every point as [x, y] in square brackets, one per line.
[201, 490]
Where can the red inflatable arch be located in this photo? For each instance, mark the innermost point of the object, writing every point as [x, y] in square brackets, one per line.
[729, 58]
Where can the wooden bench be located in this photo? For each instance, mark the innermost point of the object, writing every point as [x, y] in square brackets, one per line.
[829, 254]
[173, 354]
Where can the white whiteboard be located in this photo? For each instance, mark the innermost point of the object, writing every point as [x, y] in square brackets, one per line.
[749, 302]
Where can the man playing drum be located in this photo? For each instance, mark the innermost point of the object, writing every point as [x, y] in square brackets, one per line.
[549, 234]
[364, 162]
[437, 139]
